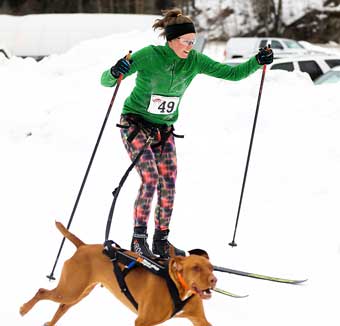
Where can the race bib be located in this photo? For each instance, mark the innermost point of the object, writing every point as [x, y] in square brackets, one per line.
[163, 104]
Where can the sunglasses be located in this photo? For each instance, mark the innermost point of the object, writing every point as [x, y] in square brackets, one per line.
[186, 42]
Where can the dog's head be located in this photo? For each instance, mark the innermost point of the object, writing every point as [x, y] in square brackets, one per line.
[193, 274]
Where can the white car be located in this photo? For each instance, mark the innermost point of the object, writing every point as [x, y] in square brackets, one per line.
[315, 66]
[245, 47]
[330, 77]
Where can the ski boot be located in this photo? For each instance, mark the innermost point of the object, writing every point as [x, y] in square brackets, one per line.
[162, 247]
[139, 243]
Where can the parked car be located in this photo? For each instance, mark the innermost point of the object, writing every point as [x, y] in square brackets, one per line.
[330, 77]
[315, 66]
[245, 47]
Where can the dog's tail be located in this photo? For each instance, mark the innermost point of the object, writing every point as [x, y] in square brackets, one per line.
[68, 235]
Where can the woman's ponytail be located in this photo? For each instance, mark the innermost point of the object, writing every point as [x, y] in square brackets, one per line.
[171, 17]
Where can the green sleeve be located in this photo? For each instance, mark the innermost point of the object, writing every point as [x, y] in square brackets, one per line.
[216, 69]
[107, 79]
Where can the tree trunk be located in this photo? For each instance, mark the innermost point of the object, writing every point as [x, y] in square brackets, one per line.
[4, 6]
[99, 6]
[278, 19]
[266, 16]
[139, 6]
[110, 6]
[80, 6]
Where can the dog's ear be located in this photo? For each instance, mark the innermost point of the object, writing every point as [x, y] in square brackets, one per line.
[199, 252]
[177, 263]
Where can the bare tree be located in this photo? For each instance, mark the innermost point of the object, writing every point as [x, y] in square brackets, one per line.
[139, 6]
[164, 4]
[264, 11]
[4, 6]
[80, 6]
[99, 6]
[277, 29]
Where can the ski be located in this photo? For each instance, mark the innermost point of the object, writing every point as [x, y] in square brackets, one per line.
[258, 276]
[229, 293]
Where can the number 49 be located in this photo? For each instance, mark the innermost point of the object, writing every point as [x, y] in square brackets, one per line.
[166, 106]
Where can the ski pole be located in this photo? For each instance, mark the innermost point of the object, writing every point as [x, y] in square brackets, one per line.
[233, 243]
[115, 193]
[51, 277]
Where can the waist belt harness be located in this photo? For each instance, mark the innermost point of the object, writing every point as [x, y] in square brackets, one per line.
[118, 255]
[141, 124]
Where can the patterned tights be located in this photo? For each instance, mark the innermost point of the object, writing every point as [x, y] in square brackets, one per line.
[158, 170]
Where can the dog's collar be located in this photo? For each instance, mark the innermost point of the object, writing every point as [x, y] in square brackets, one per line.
[184, 284]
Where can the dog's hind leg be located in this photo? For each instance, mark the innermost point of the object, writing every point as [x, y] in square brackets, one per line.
[63, 308]
[55, 295]
[71, 289]
[42, 294]
[59, 313]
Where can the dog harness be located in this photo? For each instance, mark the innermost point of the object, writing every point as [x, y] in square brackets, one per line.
[118, 255]
[149, 128]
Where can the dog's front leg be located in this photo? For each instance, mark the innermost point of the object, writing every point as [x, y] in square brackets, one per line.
[153, 313]
[146, 321]
[194, 311]
[150, 318]
[197, 320]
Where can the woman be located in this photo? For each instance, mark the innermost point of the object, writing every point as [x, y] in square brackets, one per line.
[163, 75]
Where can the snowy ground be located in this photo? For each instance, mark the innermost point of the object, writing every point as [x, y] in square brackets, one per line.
[50, 115]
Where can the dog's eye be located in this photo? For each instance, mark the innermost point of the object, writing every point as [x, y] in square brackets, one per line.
[196, 268]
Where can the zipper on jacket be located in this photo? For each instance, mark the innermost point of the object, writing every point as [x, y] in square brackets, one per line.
[172, 75]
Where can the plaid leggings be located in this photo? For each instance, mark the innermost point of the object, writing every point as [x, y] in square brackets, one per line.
[158, 170]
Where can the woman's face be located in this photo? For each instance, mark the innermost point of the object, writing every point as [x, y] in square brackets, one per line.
[182, 45]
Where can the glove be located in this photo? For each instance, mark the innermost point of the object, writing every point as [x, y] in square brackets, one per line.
[265, 56]
[121, 67]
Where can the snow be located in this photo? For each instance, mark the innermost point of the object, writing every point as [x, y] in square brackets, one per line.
[40, 35]
[51, 114]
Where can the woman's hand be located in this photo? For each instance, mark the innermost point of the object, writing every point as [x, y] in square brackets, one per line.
[121, 67]
[265, 56]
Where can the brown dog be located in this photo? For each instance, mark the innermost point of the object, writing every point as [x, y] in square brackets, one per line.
[89, 266]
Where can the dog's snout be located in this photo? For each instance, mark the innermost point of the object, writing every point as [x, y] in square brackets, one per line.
[212, 280]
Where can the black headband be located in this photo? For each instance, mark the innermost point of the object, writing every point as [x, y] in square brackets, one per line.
[176, 30]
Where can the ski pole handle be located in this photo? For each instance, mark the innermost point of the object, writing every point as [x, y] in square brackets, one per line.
[128, 56]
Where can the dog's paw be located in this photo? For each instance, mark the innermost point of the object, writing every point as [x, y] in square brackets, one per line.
[23, 310]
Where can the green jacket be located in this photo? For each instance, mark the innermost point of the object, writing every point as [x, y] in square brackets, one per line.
[163, 77]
